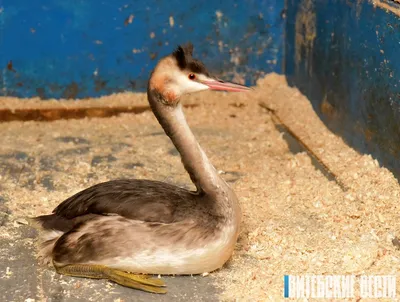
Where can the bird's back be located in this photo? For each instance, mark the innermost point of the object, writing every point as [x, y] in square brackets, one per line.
[135, 199]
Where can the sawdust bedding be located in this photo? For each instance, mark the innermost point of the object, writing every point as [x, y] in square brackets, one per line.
[295, 220]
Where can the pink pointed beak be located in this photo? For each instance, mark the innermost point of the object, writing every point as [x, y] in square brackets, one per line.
[225, 86]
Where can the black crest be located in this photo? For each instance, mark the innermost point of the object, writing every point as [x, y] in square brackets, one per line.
[183, 55]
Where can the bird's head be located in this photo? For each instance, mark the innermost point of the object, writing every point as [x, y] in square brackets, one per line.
[180, 73]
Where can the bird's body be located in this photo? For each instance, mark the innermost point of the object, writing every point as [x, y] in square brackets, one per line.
[144, 226]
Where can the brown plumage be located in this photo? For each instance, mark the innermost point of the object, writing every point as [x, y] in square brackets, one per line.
[145, 226]
[116, 201]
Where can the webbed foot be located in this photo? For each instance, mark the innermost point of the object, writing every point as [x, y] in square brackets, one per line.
[136, 281]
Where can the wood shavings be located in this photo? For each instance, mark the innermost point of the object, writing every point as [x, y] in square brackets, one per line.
[295, 220]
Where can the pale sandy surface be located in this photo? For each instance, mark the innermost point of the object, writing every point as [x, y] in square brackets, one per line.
[296, 221]
[122, 99]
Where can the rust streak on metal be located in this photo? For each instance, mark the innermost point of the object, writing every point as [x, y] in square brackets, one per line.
[10, 66]
[53, 114]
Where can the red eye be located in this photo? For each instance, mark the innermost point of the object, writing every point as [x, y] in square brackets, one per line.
[192, 76]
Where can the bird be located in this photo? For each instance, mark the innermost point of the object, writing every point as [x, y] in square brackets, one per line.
[129, 230]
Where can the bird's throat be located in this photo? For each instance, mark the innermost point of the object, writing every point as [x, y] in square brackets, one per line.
[201, 171]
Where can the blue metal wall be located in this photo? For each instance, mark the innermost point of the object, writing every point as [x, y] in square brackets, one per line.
[81, 48]
[345, 56]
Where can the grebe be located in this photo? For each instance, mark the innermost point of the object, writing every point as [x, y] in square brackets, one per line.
[122, 230]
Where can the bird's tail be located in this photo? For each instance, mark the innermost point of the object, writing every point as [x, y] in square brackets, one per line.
[51, 228]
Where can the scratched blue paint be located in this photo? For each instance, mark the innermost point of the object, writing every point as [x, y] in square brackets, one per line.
[354, 66]
[85, 48]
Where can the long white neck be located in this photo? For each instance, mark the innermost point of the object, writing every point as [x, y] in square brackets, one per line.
[201, 171]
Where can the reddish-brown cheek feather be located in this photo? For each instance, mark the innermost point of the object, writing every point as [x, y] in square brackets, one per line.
[157, 83]
[171, 97]
[160, 84]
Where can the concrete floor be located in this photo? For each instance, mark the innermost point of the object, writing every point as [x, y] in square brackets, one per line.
[24, 280]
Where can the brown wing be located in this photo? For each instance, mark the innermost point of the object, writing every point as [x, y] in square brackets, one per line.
[131, 198]
[143, 200]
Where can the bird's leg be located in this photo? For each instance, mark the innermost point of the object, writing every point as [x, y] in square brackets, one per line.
[142, 282]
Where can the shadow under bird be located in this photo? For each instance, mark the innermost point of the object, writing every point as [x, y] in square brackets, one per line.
[125, 230]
